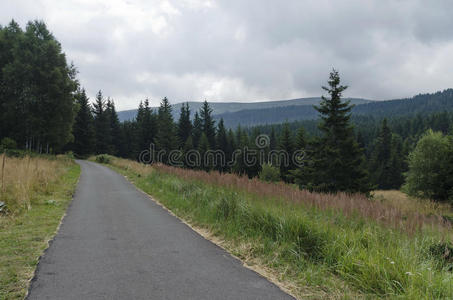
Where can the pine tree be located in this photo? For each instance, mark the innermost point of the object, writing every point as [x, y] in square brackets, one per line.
[197, 130]
[147, 125]
[184, 125]
[222, 144]
[301, 140]
[83, 129]
[203, 147]
[208, 123]
[380, 168]
[166, 134]
[338, 161]
[101, 125]
[115, 129]
[286, 144]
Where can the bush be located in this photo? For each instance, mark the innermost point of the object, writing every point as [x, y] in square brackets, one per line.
[7, 144]
[269, 173]
[430, 172]
[103, 158]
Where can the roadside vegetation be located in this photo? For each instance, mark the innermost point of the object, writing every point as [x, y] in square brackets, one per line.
[315, 245]
[35, 192]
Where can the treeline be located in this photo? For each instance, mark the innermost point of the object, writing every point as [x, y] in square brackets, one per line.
[397, 136]
[43, 109]
[418, 105]
[36, 88]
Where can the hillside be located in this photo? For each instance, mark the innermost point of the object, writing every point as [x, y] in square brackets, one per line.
[259, 113]
[219, 108]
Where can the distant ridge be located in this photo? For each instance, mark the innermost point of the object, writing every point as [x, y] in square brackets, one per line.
[231, 107]
[260, 113]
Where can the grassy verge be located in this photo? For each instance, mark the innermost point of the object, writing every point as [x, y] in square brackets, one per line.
[37, 192]
[314, 251]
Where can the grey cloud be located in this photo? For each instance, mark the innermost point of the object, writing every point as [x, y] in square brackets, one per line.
[249, 50]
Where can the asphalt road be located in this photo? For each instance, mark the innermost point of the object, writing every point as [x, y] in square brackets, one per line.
[116, 243]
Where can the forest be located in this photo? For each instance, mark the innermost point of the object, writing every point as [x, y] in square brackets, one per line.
[45, 110]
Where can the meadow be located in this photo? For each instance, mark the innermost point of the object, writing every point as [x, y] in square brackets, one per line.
[313, 245]
[36, 191]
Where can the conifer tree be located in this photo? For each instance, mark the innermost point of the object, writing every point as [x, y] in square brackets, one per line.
[203, 147]
[115, 129]
[286, 144]
[184, 125]
[166, 134]
[208, 123]
[83, 129]
[197, 130]
[101, 124]
[338, 158]
[222, 144]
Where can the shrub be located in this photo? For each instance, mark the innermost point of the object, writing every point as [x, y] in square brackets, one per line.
[7, 144]
[269, 173]
[430, 172]
[103, 158]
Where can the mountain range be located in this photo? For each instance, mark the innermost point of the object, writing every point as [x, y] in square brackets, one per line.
[269, 112]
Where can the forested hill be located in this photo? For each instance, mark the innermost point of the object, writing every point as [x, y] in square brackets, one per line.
[219, 108]
[257, 113]
[420, 104]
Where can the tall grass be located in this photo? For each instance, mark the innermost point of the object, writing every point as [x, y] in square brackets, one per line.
[326, 244]
[24, 178]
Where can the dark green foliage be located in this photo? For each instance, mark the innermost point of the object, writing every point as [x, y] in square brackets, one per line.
[37, 88]
[197, 130]
[184, 125]
[166, 134]
[102, 125]
[207, 123]
[338, 159]
[146, 122]
[286, 144]
[83, 129]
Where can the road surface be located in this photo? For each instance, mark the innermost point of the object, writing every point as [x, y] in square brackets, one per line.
[116, 243]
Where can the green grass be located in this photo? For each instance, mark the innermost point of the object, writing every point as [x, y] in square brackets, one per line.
[316, 253]
[24, 236]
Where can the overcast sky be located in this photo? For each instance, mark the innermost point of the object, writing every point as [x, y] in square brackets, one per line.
[248, 50]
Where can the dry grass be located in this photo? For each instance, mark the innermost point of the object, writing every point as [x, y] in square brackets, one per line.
[23, 178]
[391, 208]
[405, 203]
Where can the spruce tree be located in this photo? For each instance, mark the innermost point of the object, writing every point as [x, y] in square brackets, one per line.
[222, 144]
[197, 130]
[101, 125]
[184, 125]
[208, 123]
[166, 134]
[338, 161]
[286, 144]
[83, 129]
[115, 129]
[203, 147]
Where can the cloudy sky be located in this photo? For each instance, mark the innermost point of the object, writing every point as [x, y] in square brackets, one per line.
[248, 50]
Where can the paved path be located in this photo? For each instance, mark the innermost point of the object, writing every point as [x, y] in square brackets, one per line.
[116, 243]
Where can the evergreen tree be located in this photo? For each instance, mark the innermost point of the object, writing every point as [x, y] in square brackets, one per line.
[287, 145]
[115, 129]
[147, 125]
[184, 125]
[102, 125]
[203, 147]
[338, 158]
[301, 140]
[83, 129]
[208, 123]
[166, 134]
[222, 144]
[197, 130]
